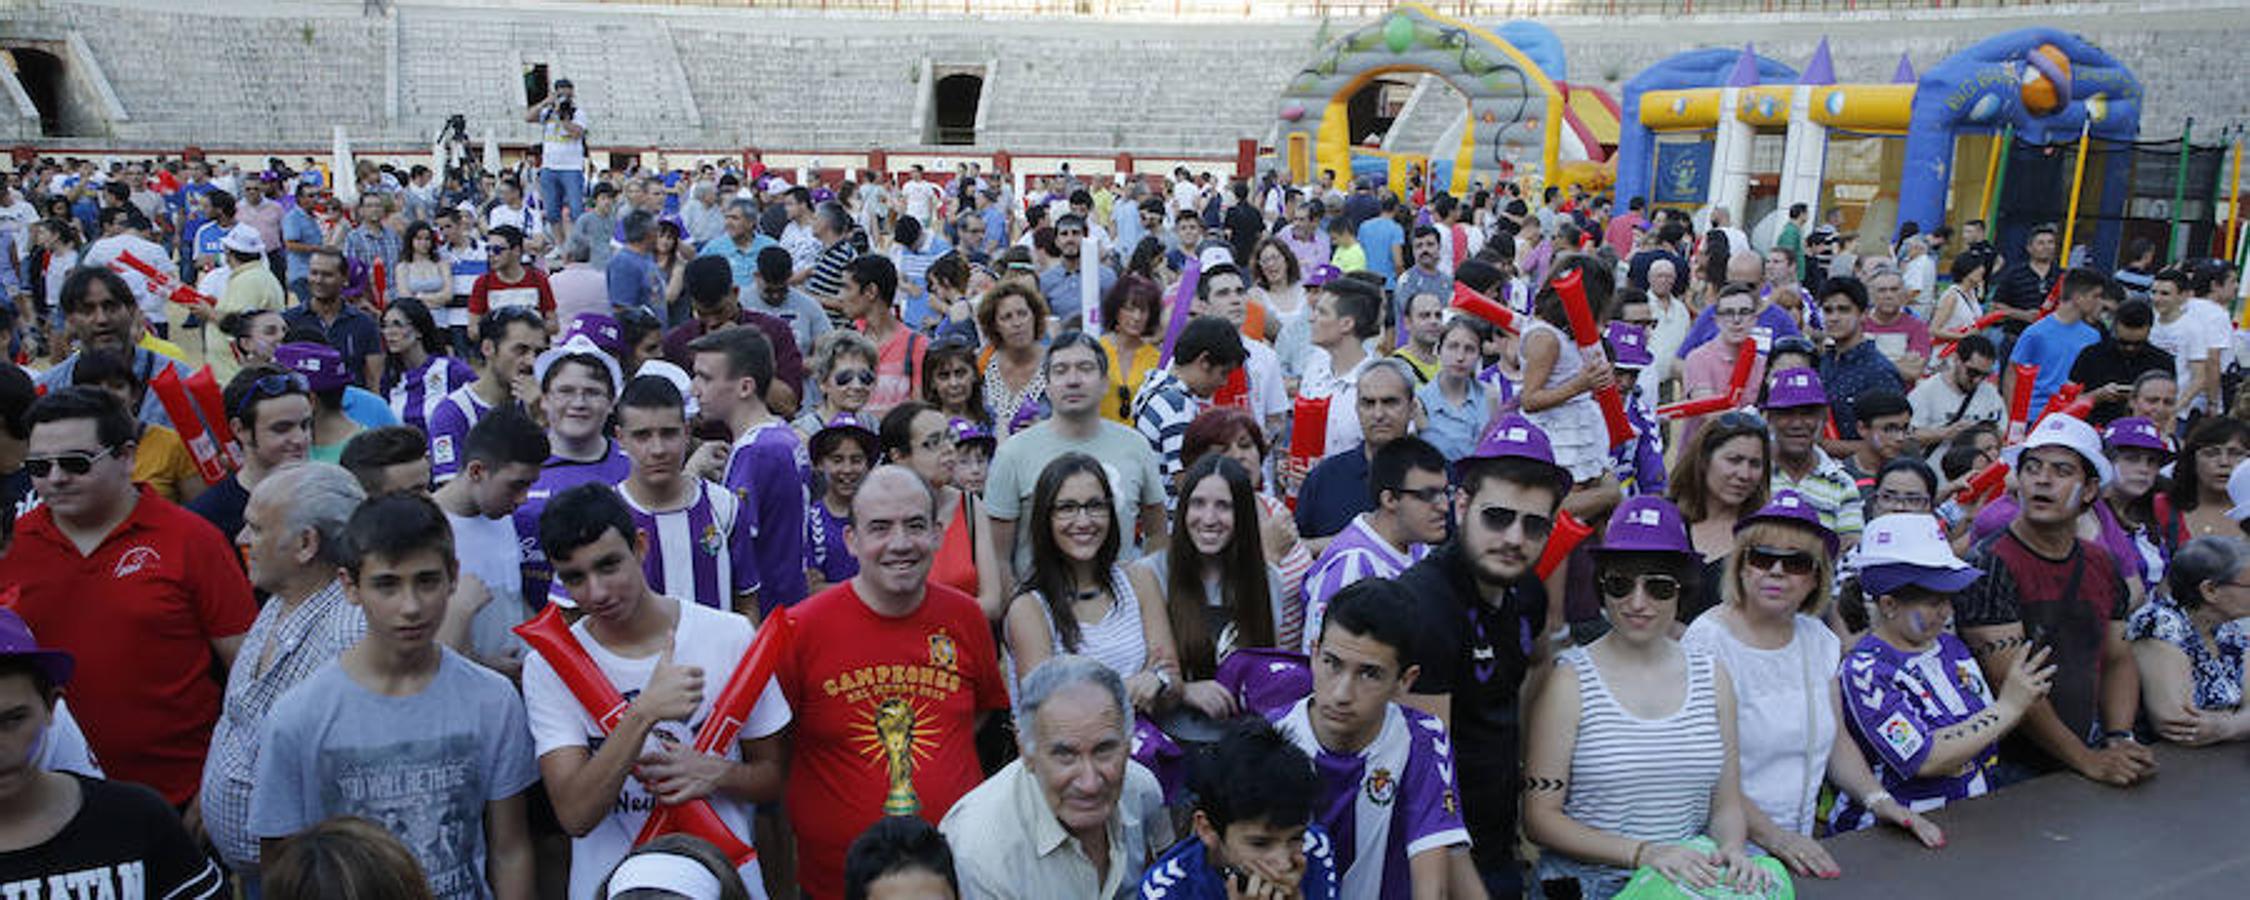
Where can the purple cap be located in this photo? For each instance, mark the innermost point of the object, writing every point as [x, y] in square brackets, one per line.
[16, 641]
[965, 431]
[1790, 507]
[1629, 345]
[1322, 274]
[321, 365]
[2136, 432]
[1646, 524]
[600, 329]
[1515, 437]
[1793, 388]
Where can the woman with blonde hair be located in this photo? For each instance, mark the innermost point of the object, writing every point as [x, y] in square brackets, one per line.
[1769, 632]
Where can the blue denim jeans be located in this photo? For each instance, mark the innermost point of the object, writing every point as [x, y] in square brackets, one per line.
[561, 189]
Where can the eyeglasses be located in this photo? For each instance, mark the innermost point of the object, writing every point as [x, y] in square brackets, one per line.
[1498, 518]
[1067, 510]
[1430, 494]
[1740, 421]
[1908, 502]
[853, 376]
[1792, 562]
[1734, 314]
[1618, 586]
[72, 463]
[267, 388]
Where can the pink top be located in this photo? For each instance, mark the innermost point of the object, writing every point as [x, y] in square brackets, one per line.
[1705, 375]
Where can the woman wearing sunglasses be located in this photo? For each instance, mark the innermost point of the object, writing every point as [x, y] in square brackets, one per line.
[1723, 476]
[1915, 702]
[916, 435]
[844, 366]
[1769, 633]
[1630, 758]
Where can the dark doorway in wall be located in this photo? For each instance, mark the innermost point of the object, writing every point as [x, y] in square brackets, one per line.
[535, 83]
[957, 97]
[42, 76]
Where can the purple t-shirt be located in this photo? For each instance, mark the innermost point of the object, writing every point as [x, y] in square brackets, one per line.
[449, 422]
[1383, 805]
[699, 553]
[824, 546]
[1895, 703]
[558, 475]
[770, 472]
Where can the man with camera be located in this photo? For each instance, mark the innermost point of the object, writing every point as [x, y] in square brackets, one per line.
[562, 154]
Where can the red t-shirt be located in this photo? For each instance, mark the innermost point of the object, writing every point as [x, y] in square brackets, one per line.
[855, 679]
[491, 290]
[139, 614]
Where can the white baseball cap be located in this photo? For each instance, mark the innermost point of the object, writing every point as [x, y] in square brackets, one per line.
[578, 345]
[1903, 549]
[243, 238]
[2070, 433]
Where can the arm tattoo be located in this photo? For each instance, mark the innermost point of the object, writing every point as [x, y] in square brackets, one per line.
[1996, 645]
[1537, 785]
[1978, 724]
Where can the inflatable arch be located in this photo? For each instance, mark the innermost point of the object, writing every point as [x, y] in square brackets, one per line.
[2047, 83]
[1681, 104]
[1512, 101]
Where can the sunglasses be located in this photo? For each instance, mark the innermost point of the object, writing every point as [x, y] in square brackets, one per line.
[850, 376]
[72, 463]
[267, 388]
[1499, 518]
[1618, 586]
[1426, 495]
[1792, 562]
[1741, 421]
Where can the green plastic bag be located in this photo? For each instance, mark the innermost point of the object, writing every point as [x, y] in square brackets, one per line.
[1647, 884]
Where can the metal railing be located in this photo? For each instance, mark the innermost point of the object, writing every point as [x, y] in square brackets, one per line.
[1343, 9]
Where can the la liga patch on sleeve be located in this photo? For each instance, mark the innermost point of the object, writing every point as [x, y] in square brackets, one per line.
[441, 449]
[1901, 735]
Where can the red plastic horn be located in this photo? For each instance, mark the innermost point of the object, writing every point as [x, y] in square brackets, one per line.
[1983, 322]
[2061, 398]
[732, 708]
[1738, 381]
[548, 636]
[1700, 406]
[1568, 534]
[173, 396]
[162, 282]
[1571, 286]
[1468, 301]
[2019, 403]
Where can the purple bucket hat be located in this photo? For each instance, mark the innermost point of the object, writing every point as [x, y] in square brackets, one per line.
[1647, 524]
[600, 329]
[1794, 388]
[1629, 343]
[1791, 508]
[965, 431]
[320, 365]
[1515, 437]
[16, 641]
[2136, 432]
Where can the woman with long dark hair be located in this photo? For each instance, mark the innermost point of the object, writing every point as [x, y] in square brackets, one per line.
[1220, 594]
[1724, 476]
[672, 256]
[953, 384]
[1077, 599]
[417, 373]
[2199, 481]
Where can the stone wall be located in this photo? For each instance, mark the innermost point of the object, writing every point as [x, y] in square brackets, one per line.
[283, 73]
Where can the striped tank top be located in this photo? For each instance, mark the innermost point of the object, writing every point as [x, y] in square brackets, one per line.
[1645, 779]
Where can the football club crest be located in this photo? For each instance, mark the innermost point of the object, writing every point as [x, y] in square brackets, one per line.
[943, 654]
[1381, 787]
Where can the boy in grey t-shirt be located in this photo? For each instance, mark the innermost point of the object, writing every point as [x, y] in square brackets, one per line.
[400, 730]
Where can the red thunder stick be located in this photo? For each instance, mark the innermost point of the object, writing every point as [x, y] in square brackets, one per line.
[1568, 533]
[1983, 322]
[1828, 429]
[2019, 403]
[1739, 380]
[162, 282]
[1572, 287]
[379, 285]
[1493, 311]
[173, 396]
[1985, 482]
[204, 388]
[731, 709]
[551, 639]
[1700, 406]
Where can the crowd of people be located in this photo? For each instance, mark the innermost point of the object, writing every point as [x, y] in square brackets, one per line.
[904, 536]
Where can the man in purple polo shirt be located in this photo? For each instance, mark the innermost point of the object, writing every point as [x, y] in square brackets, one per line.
[767, 467]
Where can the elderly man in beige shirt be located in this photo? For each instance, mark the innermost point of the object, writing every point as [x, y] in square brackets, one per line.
[1075, 816]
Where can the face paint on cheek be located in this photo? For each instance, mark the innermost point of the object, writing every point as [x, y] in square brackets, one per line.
[2071, 499]
[1918, 621]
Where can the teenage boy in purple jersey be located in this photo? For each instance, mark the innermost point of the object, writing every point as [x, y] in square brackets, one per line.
[697, 549]
[767, 467]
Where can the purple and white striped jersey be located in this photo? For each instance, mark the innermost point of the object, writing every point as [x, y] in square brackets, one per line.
[448, 424]
[1894, 704]
[415, 393]
[1356, 553]
[1385, 804]
[557, 475]
[824, 545]
[771, 473]
[699, 552]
